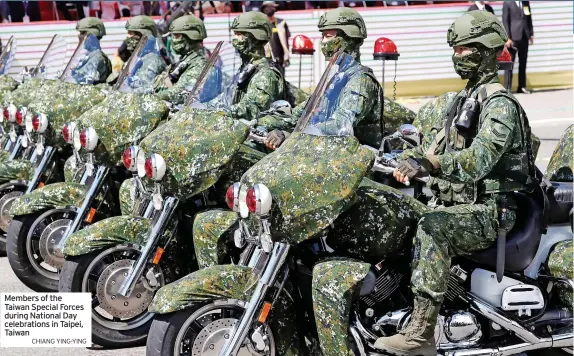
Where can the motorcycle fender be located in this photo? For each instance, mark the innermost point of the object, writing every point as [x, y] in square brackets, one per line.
[107, 233]
[560, 264]
[212, 283]
[18, 169]
[56, 195]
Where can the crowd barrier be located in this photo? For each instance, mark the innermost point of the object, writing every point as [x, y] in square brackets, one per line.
[424, 67]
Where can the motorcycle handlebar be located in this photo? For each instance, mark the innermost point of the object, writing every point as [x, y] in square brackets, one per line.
[257, 136]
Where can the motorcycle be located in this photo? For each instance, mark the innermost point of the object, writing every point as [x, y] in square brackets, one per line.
[44, 217]
[16, 141]
[149, 246]
[289, 219]
[36, 82]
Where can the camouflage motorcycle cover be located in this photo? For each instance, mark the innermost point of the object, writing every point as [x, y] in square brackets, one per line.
[196, 144]
[122, 118]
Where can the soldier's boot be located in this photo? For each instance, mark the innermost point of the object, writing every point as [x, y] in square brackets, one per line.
[417, 338]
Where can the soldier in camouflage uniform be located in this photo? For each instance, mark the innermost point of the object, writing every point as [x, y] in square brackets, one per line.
[259, 84]
[96, 58]
[188, 32]
[474, 169]
[344, 29]
[152, 65]
[561, 163]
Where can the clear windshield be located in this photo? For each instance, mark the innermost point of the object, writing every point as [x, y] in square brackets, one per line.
[215, 86]
[53, 59]
[7, 55]
[80, 68]
[332, 108]
[136, 76]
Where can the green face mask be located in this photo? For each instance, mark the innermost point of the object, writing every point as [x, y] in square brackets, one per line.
[467, 66]
[183, 45]
[331, 47]
[242, 46]
[131, 43]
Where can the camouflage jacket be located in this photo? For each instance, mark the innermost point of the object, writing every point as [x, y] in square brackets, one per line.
[195, 63]
[264, 87]
[499, 147]
[96, 59]
[362, 93]
[561, 163]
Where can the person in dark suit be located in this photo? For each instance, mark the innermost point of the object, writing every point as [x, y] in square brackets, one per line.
[517, 20]
[481, 5]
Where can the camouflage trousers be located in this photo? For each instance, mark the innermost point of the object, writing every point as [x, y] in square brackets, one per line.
[444, 233]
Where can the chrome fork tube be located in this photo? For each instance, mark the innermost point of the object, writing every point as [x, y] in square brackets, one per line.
[16, 148]
[41, 168]
[101, 173]
[274, 264]
[137, 270]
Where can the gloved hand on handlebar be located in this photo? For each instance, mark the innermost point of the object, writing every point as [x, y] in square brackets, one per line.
[415, 168]
[274, 139]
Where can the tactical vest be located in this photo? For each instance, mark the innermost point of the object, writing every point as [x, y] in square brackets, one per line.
[368, 130]
[504, 177]
[243, 84]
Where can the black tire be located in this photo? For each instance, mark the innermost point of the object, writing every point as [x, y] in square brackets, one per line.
[163, 332]
[18, 257]
[71, 277]
[2, 248]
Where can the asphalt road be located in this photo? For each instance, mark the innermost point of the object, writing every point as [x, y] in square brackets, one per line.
[550, 113]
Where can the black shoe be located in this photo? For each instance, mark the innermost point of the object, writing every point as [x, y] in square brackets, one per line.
[523, 91]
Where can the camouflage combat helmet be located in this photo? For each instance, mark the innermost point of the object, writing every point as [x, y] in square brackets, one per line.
[345, 19]
[190, 26]
[477, 27]
[92, 25]
[143, 25]
[255, 23]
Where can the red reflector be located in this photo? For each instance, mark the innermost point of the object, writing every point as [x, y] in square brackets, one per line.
[250, 200]
[66, 133]
[148, 168]
[19, 117]
[83, 138]
[229, 197]
[35, 122]
[127, 158]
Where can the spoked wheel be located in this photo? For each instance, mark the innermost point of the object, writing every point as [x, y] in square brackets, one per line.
[204, 331]
[6, 201]
[117, 321]
[32, 247]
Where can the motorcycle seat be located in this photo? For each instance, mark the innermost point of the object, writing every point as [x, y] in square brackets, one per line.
[522, 241]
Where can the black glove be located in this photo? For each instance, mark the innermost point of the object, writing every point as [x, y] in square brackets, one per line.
[412, 168]
[274, 139]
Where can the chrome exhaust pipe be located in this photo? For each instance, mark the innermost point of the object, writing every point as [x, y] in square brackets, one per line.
[556, 341]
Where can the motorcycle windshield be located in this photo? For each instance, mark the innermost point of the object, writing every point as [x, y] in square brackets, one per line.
[332, 108]
[134, 76]
[52, 62]
[200, 140]
[216, 84]
[7, 56]
[313, 176]
[81, 69]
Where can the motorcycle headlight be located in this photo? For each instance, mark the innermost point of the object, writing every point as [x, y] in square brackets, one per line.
[89, 139]
[259, 200]
[155, 167]
[68, 132]
[134, 160]
[40, 123]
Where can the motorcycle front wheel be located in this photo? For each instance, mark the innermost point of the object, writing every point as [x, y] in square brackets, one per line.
[7, 198]
[117, 321]
[31, 245]
[203, 330]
